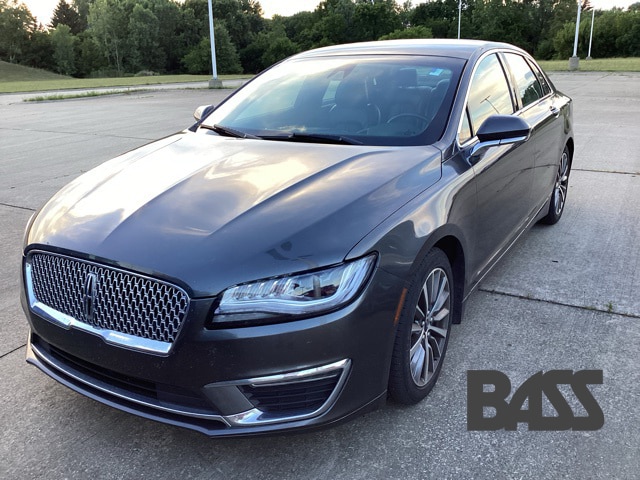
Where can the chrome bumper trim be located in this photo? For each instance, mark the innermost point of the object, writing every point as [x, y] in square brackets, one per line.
[256, 416]
[248, 418]
[50, 366]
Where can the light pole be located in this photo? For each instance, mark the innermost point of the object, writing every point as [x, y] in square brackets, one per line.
[214, 82]
[459, 16]
[593, 17]
[574, 61]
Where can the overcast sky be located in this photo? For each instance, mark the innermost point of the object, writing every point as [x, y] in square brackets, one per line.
[43, 9]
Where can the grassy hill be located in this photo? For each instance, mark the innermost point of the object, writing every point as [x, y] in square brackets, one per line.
[10, 72]
[17, 78]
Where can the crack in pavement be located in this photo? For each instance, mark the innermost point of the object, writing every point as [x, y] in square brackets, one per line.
[594, 170]
[88, 134]
[12, 351]
[555, 302]
[17, 206]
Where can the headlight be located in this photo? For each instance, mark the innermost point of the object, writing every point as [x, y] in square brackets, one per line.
[302, 294]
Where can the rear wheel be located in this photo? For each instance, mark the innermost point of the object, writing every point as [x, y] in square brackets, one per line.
[560, 189]
[423, 330]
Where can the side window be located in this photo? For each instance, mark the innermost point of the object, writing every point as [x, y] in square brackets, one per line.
[529, 88]
[488, 94]
[546, 88]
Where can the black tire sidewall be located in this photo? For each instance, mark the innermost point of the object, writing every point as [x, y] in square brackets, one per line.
[401, 385]
[552, 217]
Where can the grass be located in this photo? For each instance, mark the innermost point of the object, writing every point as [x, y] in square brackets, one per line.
[94, 93]
[631, 64]
[10, 72]
[16, 78]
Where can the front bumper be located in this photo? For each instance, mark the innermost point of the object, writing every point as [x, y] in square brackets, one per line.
[238, 381]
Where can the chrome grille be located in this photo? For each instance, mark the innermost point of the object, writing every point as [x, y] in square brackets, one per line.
[106, 298]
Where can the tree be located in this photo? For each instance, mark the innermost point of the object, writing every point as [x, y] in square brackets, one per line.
[299, 28]
[82, 7]
[108, 25]
[89, 57]
[411, 32]
[142, 47]
[490, 18]
[63, 42]
[334, 23]
[279, 46]
[616, 33]
[64, 14]
[38, 53]
[17, 25]
[374, 19]
[242, 18]
[198, 60]
[440, 16]
[171, 39]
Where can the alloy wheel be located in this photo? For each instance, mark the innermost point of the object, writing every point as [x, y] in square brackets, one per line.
[430, 327]
[562, 182]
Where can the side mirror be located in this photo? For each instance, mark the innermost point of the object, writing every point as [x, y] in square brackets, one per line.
[202, 112]
[505, 128]
[499, 130]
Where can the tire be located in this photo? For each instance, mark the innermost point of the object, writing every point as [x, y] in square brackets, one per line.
[421, 339]
[560, 189]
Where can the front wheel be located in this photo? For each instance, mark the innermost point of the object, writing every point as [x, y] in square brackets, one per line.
[423, 330]
[560, 189]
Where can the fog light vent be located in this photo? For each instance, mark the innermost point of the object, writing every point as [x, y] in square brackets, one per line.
[302, 396]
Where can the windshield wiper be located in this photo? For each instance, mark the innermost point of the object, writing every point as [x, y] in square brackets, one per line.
[315, 138]
[229, 132]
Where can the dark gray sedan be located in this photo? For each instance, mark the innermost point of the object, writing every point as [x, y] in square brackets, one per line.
[301, 252]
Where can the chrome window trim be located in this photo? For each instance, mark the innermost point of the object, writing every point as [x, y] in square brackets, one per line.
[495, 52]
[507, 74]
[514, 81]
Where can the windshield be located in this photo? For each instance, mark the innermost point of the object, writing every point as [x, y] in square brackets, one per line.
[371, 100]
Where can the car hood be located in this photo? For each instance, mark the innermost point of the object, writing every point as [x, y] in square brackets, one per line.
[210, 212]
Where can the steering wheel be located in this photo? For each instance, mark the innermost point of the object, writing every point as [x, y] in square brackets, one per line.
[423, 119]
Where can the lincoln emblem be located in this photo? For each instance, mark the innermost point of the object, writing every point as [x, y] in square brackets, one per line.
[89, 296]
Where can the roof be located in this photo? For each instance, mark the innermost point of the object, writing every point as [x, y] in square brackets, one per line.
[439, 47]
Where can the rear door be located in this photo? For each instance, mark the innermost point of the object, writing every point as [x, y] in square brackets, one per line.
[536, 107]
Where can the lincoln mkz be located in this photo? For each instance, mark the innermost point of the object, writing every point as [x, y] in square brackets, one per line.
[300, 253]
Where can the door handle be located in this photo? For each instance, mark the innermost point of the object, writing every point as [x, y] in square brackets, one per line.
[554, 110]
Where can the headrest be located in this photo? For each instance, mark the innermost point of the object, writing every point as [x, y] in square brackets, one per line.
[407, 77]
[352, 92]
